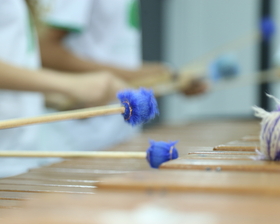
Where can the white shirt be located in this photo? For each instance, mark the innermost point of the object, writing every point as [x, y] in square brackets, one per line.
[18, 46]
[104, 30]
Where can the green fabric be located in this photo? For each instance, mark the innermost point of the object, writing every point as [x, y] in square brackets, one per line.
[66, 27]
[134, 15]
[31, 34]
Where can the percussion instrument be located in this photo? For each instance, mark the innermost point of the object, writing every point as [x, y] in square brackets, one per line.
[202, 186]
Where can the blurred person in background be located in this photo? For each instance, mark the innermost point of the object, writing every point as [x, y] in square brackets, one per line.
[94, 35]
[91, 36]
[23, 84]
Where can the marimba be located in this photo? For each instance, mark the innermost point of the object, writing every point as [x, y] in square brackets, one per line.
[207, 184]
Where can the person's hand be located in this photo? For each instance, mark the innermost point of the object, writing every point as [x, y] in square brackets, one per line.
[196, 87]
[60, 102]
[86, 90]
[154, 69]
[151, 74]
[94, 89]
[193, 81]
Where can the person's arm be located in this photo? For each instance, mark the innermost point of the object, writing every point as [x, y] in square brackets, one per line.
[17, 78]
[89, 89]
[56, 56]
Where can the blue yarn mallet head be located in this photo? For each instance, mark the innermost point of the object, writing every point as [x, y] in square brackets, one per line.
[224, 67]
[267, 27]
[160, 152]
[140, 105]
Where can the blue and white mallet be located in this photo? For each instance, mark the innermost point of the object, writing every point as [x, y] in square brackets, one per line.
[140, 106]
[158, 153]
[137, 107]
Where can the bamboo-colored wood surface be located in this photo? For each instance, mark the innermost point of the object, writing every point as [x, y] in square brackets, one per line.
[228, 153]
[208, 156]
[168, 207]
[239, 145]
[196, 181]
[245, 148]
[79, 154]
[151, 81]
[223, 164]
[80, 178]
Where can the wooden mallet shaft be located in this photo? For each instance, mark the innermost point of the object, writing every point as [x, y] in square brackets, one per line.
[74, 114]
[156, 154]
[75, 154]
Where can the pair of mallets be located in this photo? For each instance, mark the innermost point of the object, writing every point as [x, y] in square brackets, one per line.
[137, 107]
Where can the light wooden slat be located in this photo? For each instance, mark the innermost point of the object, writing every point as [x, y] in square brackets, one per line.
[45, 189]
[46, 183]
[196, 181]
[104, 164]
[229, 153]
[224, 165]
[236, 148]
[124, 207]
[19, 196]
[76, 177]
[216, 157]
[8, 204]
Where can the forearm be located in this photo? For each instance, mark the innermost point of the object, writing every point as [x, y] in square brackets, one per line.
[89, 89]
[55, 56]
[16, 78]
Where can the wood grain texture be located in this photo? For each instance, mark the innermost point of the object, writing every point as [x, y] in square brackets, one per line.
[239, 145]
[229, 153]
[196, 181]
[74, 178]
[224, 165]
[217, 156]
[198, 208]
[245, 148]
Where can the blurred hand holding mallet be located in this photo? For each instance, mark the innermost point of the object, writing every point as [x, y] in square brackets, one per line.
[137, 107]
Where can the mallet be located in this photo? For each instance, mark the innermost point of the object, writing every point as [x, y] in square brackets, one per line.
[156, 154]
[137, 107]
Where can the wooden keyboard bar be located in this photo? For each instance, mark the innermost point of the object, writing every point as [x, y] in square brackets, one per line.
[236, 148]
[79, 178]
[224, 165]
[137, 207]
[196, 181]
[229, 153]
[216, 157]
